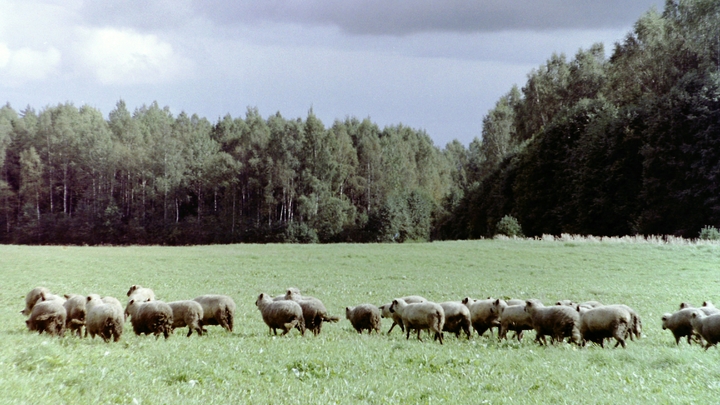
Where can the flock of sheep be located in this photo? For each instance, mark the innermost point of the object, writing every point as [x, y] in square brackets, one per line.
[580, 323]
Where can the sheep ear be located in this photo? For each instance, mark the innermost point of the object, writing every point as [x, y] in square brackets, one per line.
[67, 296]
[42, 296]
[131, 302]
[88, 298]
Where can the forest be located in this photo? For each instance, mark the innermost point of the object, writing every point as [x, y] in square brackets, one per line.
[620, 145]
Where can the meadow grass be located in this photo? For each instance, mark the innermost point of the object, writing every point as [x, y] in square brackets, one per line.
[340, 366]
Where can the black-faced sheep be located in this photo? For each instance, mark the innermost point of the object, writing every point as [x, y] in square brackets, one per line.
[75, 310]
[364, 316]
[281, 314]
[707, 326]
[154, 317]
[32, 298]
[385, 311]
[47, 316]
[104, 317]
[187, 313]
[679, 324]
[602, 322]
[314, 311]
[558, 321]
[423, 315]
[482, 315]
[514, 318]
[457, 318]
[217, 310]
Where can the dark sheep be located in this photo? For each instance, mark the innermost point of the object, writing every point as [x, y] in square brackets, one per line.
[151, 317]
[47, 316]
[364, 317]
[75, 310]
[32, 298]
[280, 314]
[679, 324]
[558, 321]
[457, 318]
[482, 315]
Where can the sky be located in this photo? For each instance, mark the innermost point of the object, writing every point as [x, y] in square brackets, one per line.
[433, 65]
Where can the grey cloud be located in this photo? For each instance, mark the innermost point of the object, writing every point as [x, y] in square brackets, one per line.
[401, 17]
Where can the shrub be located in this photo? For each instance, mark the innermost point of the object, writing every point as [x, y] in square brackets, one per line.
[709, 233]
[509, 226]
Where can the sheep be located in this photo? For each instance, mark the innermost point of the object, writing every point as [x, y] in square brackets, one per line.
[140, 293]
[679, 324]
[281, 314]
[515, 302]
[32, 298]
[635, 328]
[314, 311]
[567, 303]
[423, 315]
[187, 313]
[47, 316]
[707, 307]
[482, 314]
[217, 310]
[154, 317]
[457, 318]
[516, 319]
[707, 326]
[75, 310]
[364, 316]
[599, 323]
[104, 317]
[558, 321]
[385, 311]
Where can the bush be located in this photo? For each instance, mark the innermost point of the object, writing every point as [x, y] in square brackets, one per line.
[709, 233]
[509, 226]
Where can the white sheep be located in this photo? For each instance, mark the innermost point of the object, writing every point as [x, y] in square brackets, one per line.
[217, 310]
[385, 311]
[602, 322]
[76, 311]
[707, 326]
[280, 314]
[419, 316]
[516, 319]
[314, 311]
[187, 313]
[104, 317]
[32, 298]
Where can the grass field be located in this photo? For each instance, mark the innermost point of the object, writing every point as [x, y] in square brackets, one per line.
[340, 366]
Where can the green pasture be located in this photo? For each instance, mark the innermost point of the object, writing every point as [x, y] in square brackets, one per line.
[340, 366]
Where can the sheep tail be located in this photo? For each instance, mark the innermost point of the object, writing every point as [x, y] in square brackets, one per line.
[328, 318]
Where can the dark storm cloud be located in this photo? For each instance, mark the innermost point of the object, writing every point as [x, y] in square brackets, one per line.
[402, 17]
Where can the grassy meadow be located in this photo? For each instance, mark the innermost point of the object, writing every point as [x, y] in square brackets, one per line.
[340, 366]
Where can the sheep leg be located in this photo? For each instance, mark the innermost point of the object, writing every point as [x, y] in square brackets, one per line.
[419, 330]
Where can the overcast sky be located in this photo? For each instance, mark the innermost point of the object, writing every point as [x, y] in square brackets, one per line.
[437, 65]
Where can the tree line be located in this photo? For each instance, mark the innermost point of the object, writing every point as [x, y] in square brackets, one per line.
[623, 145]
[71, 176]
